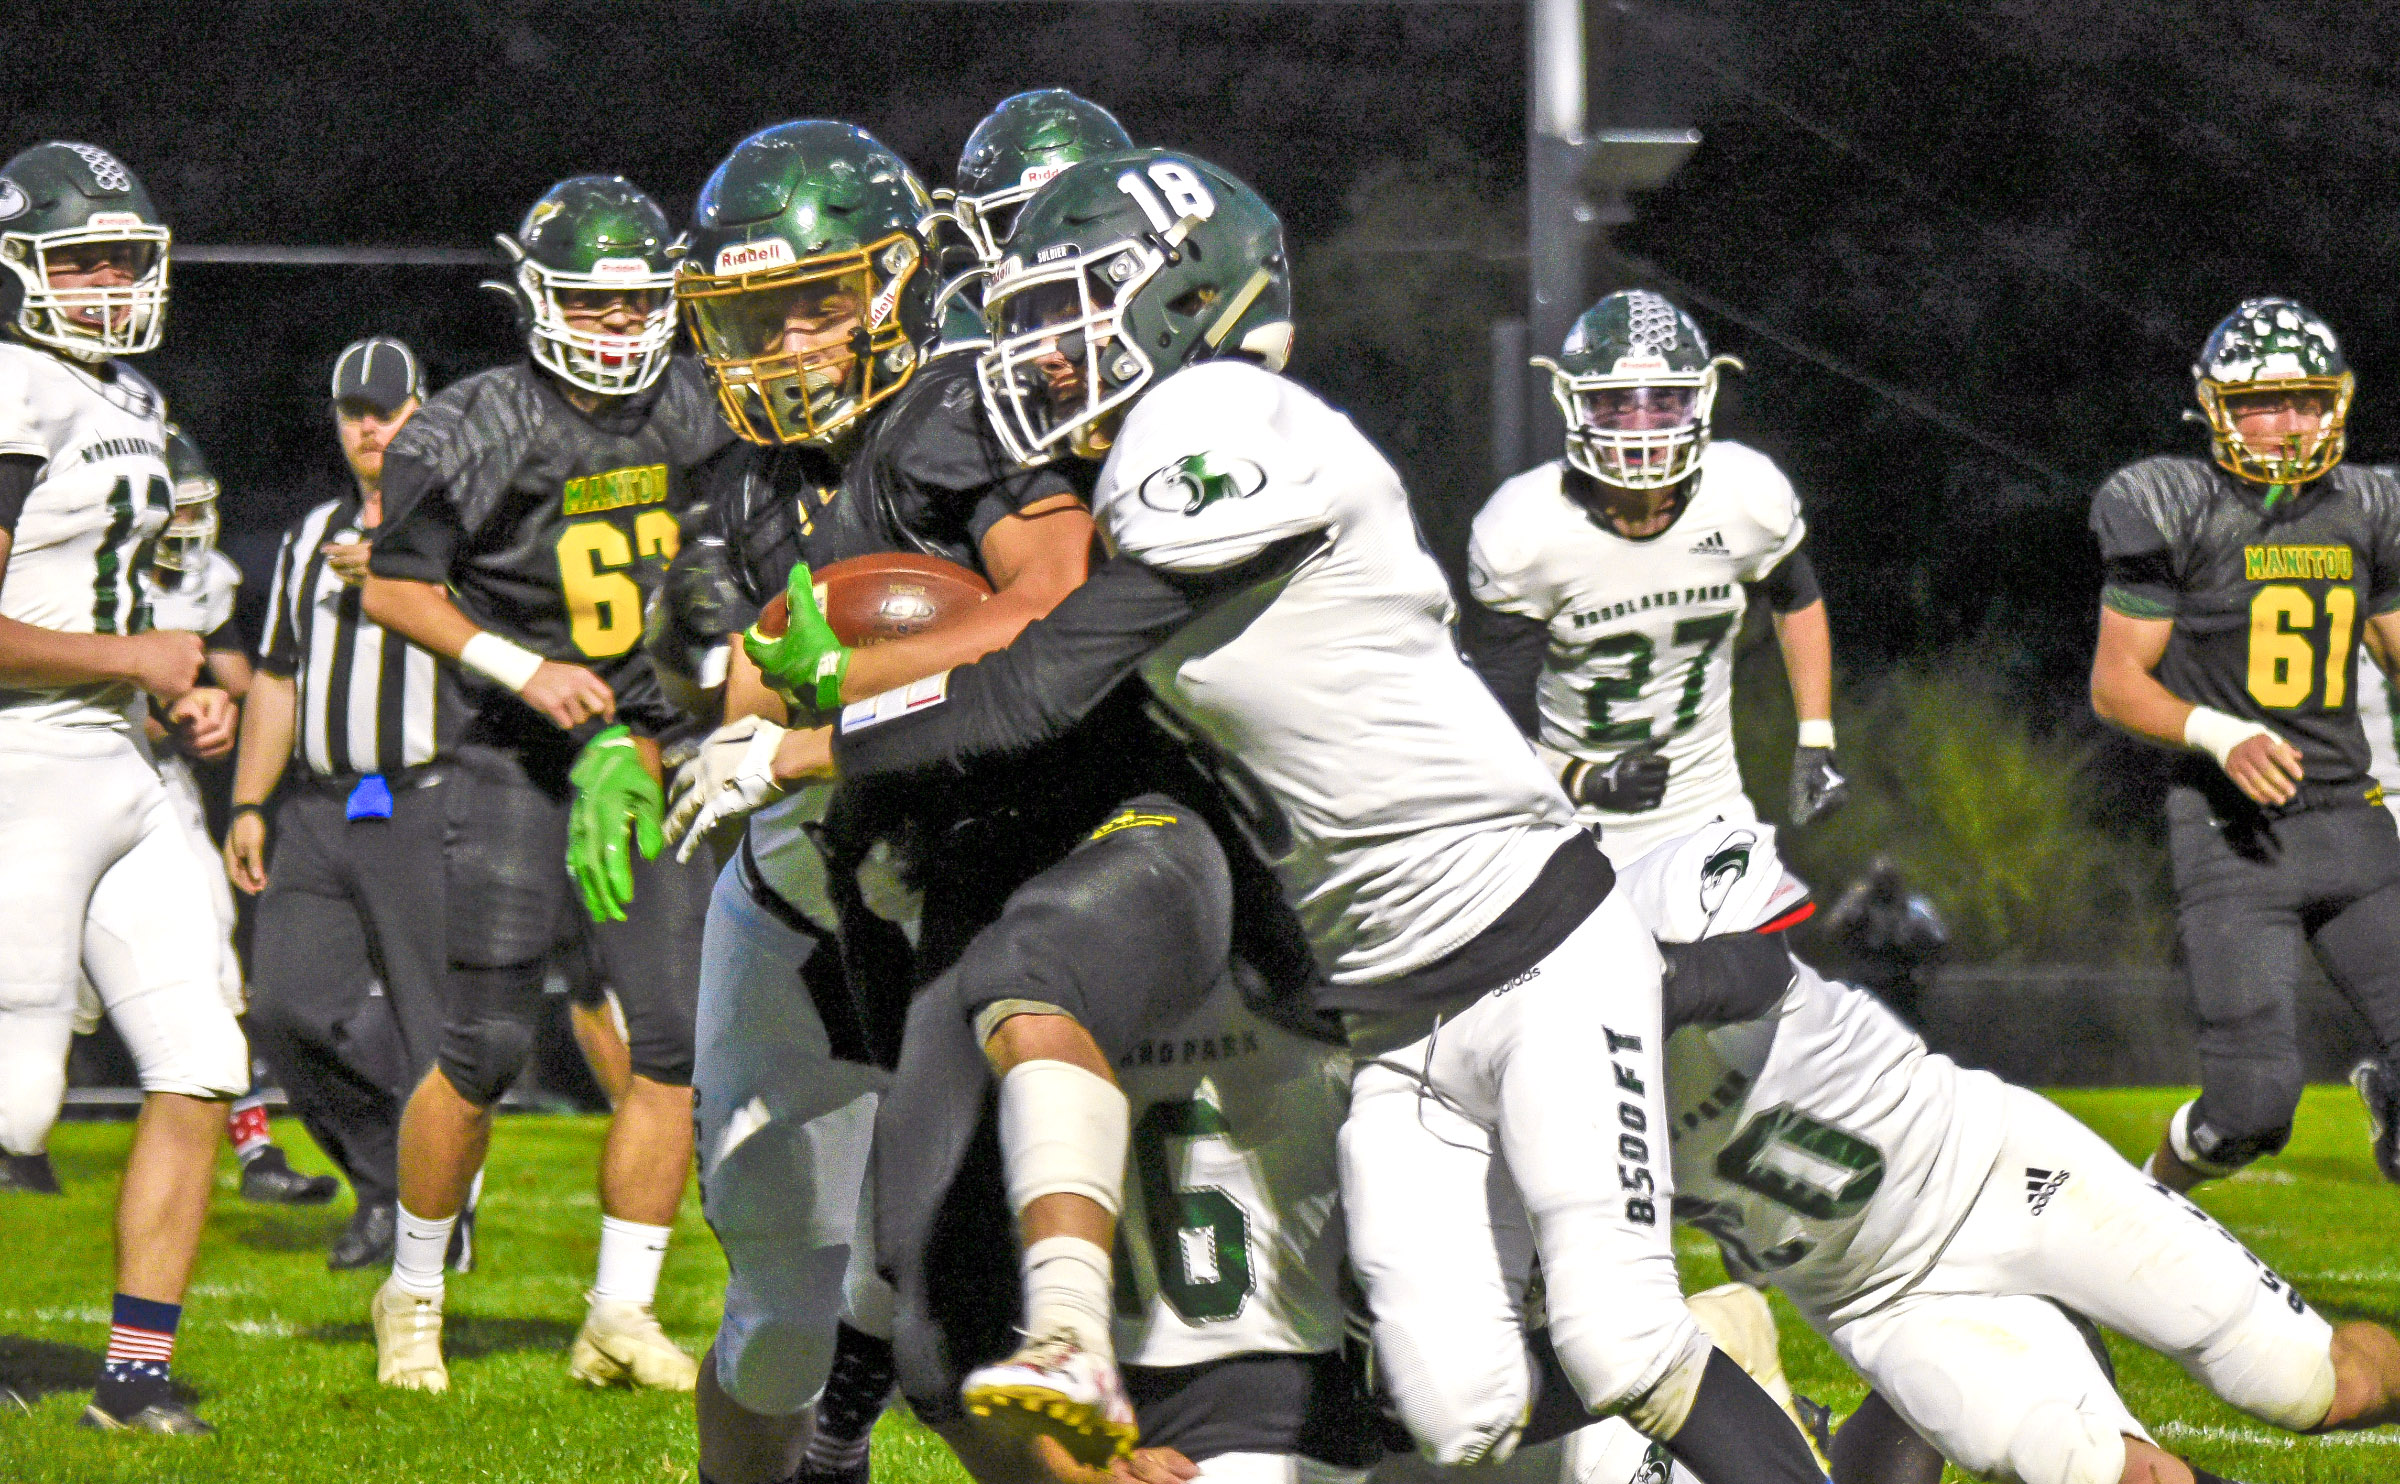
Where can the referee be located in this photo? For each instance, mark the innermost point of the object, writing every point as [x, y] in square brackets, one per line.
[354, 893]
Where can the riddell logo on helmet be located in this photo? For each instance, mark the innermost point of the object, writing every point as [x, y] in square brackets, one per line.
[1035, 175]
[749, 257]
[109, 221]
[620, 270]
[1641, 360]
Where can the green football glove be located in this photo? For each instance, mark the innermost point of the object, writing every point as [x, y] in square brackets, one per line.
[808, 661]
[612, 790]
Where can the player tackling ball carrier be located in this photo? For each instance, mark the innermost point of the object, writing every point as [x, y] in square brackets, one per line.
[2238, 588]
[1609, 587]
[1270, 587]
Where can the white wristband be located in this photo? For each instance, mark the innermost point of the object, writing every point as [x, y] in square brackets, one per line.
[2217, 734]
[1818, 733]
[490, 655]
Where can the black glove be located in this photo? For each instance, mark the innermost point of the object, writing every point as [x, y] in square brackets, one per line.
[1817, 787]
[1630, 783]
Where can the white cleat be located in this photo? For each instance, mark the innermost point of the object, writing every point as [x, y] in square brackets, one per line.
[408, 1340]
[621, 1344]
[1053, 1387]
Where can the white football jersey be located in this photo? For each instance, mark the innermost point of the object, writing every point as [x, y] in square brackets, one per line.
[84, 535]
[1641, 632]
[1823, 1145]
[1398, 804]
[2381, 719]
[1232, 1229]
[200, 607]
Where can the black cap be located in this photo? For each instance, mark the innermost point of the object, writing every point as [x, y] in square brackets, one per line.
[379, 371]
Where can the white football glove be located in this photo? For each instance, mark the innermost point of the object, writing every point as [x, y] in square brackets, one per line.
[732, 774]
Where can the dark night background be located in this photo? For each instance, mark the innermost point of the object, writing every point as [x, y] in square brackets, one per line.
[1967, 252]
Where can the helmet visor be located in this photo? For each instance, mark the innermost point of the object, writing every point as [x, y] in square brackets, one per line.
[799, 352]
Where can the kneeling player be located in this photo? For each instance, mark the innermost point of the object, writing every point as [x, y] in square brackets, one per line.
[1938, 1225]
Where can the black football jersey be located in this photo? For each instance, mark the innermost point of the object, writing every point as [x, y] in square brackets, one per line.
[2267, 606]
[550, 526]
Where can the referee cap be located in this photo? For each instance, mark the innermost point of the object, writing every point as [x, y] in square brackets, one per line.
[379, 371]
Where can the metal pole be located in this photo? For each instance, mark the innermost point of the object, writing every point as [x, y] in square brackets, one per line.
[1508, 398]
[1558, 219]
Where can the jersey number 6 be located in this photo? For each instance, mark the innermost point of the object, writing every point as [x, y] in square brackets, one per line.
[2282, 663]
[604, 606]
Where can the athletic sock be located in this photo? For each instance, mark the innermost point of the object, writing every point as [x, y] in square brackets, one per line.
[141, 1343]
[1067, 1283]
[419, 1244]
[630, 1257]
[855, 1391]
[247, 1123]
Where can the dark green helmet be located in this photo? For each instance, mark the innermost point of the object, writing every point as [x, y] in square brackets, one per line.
[2274, 350]
[75, 203]
[1636, 385]
[804, 275]
[597, 238]
[1028, 140]
[1121, 272]
[191, 531]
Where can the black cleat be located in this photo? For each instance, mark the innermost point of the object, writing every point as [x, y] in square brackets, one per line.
[1816, 1419]
[269, 1179]
[2379, 1089]
[367, 1241]
[461, 1255]
[168, 1419]
[30, 1173]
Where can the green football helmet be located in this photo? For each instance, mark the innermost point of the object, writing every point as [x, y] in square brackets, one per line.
[597, 238]
[2275, 350]
[1119, 273]
[62, 206]
[807, 227]
[1637, 386]
[191, 531]
[1025, 142]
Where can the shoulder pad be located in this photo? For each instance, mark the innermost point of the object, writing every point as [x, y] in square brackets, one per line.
[1203, 477]
[2165, 493]
[934, 432]
[1507, 534]
[1760, 490]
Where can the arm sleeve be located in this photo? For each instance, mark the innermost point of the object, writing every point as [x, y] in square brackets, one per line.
[1058, 669]
[1506, 649]
[2137, 559]
[1725, 979]
[421, 529]
[280, 652]
[1792, 586]
[19, 472]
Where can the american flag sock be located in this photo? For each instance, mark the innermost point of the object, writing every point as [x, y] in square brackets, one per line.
[141, 1342]
[247, 1123]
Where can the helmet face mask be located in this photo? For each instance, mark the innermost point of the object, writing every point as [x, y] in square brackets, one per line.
[182, 549]
[1637, 387]
[593, 281]
[1058, 368]
[2272, 362]
[68, 212]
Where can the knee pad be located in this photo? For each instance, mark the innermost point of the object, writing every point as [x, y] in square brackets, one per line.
[31, 1088]
[2219, 1148]
[2056, 1444]
[1458, 1411]
[2275, 1361]
[775, 1343]
[483, 1056]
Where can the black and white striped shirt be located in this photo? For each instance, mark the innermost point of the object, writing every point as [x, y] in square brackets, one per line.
[369, 701]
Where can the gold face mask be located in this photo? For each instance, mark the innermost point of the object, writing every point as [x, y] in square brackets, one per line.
[2296, 457]
[799, 351]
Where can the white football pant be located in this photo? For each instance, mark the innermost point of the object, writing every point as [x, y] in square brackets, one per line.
[184, 790]
[784, 1133]
[1977, 1358]
[1533, 1121]
[101, 879]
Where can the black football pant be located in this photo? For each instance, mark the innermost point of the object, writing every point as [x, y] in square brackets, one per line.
[347, 980]
[2250, 893]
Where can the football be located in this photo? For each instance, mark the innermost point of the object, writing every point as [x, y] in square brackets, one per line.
[885, 595]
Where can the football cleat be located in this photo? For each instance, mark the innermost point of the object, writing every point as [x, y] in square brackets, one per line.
[621, 1344]
[1053, 1387]
[268, 1179]
[168, 1419]
[2379, 1089]
[367, 1241]
[408, 1340]
[30, 1173]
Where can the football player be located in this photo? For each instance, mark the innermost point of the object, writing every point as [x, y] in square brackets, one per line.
[1943, 1229]
[1270, 587]
[98, 872]
[527, 511]
[1609, 587]
[2238, 587]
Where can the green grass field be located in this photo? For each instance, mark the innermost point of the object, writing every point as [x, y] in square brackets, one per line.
[279, 1352]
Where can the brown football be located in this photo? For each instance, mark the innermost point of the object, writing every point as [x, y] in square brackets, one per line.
[885, 595]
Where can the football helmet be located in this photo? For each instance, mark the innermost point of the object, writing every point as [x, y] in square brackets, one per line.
[1636, 385]
[1120, 272]
[805, 226]
[2274, 348]
[191, 531]
[1025, 142]
[594, 234]
[74, 201]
